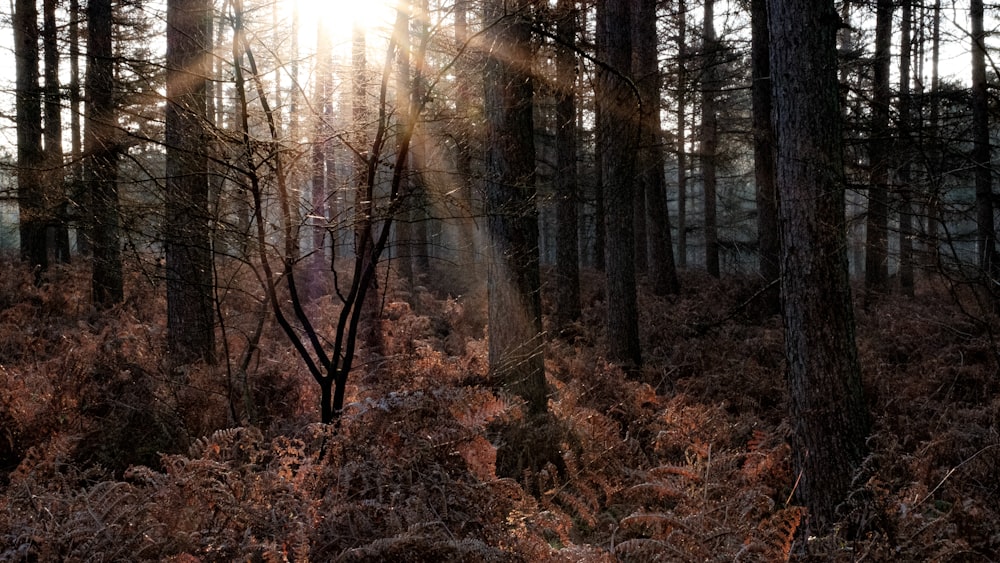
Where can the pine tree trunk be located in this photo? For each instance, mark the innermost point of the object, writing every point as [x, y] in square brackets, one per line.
[986, 230]
[662, 273]
[515, 312]
[567, 273]
[619, 139]
[877, 235]
[31, 211]
[190, 319]
[100, 140]
[768, 234]
[829, 418]
[709, 139]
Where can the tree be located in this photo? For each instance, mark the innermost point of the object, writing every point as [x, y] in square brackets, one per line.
[652, 182]
[618, 136]
[101, 145]
[56, 205]
[190, 320]
[877, 235]
[682, 78]
[709, 137]
[30, 200]
[515, 309]
[567, 273]
[906, 231]
[768, 234]
[829, 417]
[986, 230]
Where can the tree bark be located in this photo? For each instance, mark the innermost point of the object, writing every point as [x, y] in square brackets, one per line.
[31, 211]
[662, 272]
[829, 418]
[682, 162]
[515, 312]
[709, 138]
[906, 230]
[618, 105]
[877, 235]
[190, 320]
[768, 234]
[567, 273]
[54, 175]
[986, 230]
[101, 139]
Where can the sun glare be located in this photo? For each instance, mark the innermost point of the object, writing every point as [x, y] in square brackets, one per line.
[339, 17]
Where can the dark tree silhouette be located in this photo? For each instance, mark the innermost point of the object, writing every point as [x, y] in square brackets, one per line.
[829, 417]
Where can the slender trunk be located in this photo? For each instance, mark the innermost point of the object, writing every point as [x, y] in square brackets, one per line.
[682, 162]
[933, 204]
[31, 211]
[567, 273]
[709, 138]
[54, 173]
[986, 231]
[877, 235]
[662, 272]
[906, 231]
[768, 233]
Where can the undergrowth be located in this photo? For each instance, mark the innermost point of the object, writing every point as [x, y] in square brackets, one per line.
[109, 454]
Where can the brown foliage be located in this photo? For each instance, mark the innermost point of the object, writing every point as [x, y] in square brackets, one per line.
[108, 457]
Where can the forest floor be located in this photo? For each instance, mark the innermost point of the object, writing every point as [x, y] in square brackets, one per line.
[106, 455]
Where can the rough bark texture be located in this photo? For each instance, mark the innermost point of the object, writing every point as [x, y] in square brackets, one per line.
[100, 139]
[190, 322]
[567, 273]
[768, 235]
[829, 418]
[682, 160]
[515, 312]
[618, 136]
[662, 272]
[877, 235]
[31, 212]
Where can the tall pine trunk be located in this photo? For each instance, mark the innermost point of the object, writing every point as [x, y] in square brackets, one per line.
[661, 270]
[190, 320]
[877, 234]
[515, 311]
[100, 140]
[829, 417]
[31, 210]
[618, 106]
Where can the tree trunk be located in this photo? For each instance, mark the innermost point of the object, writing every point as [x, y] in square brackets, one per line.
[567, 273]
[906, 230]
[54, 174]
[682, 162]
[515, 312]
[768, 234]
[618, 105]
[709, 138]
[829, 418]
[877, 235]
[31, 210]
[662, 273]
[101, 138]
[190, 321]
[986, 231]
[78, 194]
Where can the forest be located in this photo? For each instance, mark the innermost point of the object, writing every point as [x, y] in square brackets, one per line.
[499, 280]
